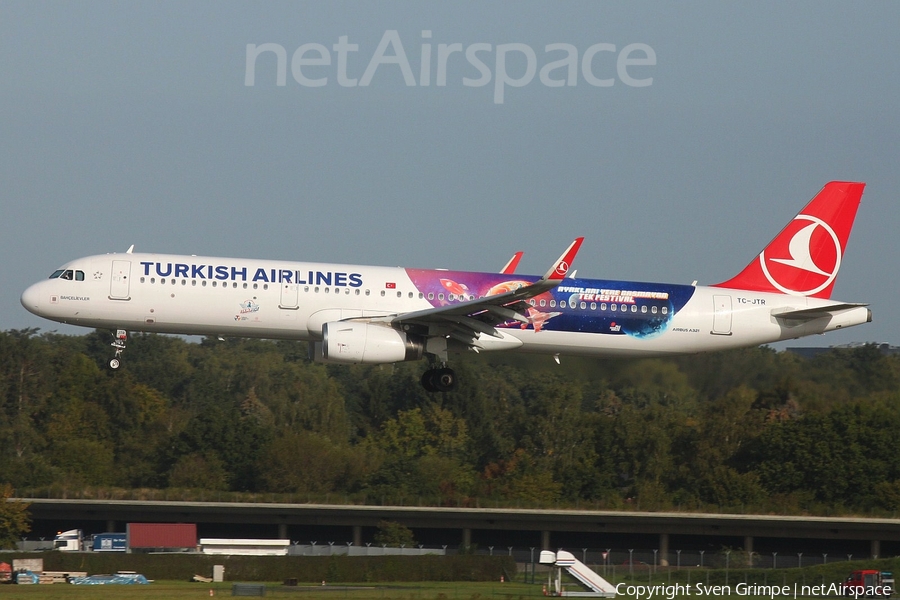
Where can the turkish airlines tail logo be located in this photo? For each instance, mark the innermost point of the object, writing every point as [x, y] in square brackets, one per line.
[800, 249]
[804, 259]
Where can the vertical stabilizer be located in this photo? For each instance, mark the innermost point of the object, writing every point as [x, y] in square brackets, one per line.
[804, 259]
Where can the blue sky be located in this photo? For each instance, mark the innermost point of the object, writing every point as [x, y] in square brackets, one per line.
[133, 124]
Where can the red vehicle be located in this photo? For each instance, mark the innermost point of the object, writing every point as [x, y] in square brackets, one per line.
[869, 583]
[161, 537]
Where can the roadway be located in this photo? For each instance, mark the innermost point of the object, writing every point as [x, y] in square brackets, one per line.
[459, 523]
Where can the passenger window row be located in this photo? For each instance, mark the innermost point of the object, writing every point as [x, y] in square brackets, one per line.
[203, 283]
[234, 285]
[603, 306]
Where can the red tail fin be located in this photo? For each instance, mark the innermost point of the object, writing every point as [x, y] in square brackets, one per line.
[803, 260]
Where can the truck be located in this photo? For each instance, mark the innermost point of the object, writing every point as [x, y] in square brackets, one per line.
[109, 542]
[869, 583]
[73, 541]
[69, 541]
[139, 537]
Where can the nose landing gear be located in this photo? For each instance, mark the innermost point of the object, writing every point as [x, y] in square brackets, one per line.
[119, 344]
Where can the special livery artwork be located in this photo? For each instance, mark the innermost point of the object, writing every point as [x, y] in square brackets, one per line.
[641, 310]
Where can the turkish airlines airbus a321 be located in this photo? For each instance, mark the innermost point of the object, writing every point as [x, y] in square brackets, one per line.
[363, 314]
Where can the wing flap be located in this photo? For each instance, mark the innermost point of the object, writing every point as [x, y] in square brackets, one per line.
[473, 324]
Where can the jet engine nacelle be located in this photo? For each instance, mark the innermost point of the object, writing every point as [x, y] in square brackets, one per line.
[354, 342]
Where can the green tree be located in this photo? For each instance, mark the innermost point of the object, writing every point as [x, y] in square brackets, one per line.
[394, 535]
[306, 462]
[14, 518]
[839, 457]
[201, 470]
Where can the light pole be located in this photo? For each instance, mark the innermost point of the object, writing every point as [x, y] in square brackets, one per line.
[701, 557]
[727, 558]
[532, 564]
[774, 560]
[631, 563]
[678, 558]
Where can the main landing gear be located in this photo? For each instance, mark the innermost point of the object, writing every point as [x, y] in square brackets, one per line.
[439, 377]
[439, 380]
[119, 344]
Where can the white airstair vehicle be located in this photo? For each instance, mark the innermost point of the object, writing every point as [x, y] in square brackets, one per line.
[599, 587]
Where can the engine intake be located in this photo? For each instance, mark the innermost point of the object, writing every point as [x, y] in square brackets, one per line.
[352, 342]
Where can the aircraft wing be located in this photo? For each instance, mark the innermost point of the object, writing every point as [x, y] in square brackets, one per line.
[466, 320]
[808, 314]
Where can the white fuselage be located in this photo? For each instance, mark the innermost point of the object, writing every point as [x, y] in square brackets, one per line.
[292, 300]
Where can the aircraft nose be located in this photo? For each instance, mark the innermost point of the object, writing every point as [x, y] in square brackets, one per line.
[31, 299]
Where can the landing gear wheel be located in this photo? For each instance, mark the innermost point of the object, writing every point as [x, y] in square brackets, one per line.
[114, 363]
[439, 380]
[444, 379]
[427, 382]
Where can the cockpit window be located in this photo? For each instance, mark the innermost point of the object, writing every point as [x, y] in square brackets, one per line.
[68, 274]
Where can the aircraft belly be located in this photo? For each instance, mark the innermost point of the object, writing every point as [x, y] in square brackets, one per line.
[587, 344]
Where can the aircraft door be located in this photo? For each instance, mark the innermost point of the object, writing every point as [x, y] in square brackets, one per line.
[119, 281]
[290, 293]
[721, 315]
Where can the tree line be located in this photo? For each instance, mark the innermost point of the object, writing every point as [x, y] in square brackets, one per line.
[747, 430]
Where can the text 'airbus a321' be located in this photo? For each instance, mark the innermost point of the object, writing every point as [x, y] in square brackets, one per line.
[375, 315]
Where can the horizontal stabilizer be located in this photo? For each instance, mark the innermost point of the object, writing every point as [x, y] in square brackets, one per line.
[808, 314]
